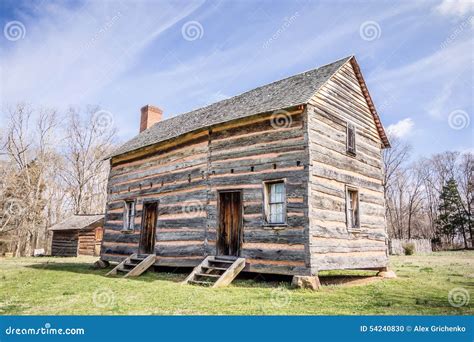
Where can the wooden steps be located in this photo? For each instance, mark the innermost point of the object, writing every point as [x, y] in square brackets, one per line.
[134, 265]
[216, 271]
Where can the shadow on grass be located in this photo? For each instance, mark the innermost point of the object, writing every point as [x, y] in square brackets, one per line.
[11, 309]
[86, 268]
[244, 279]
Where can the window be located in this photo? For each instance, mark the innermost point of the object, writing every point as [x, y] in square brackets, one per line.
[275, 202]
[351, 139]
[129, 215]
[352, 204]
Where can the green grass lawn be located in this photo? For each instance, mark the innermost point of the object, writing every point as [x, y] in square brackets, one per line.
[49, 286]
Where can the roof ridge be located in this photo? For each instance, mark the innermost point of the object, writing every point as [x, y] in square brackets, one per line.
[347, 59]
[253, 89]
[290, 91]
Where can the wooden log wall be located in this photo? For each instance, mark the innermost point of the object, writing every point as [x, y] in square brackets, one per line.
[87, 241]
[64, 243]
[175, 174]
[332, 245]
[185, 175]
[243, 156]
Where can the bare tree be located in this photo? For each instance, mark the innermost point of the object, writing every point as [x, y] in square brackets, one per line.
[89, 140]
[26, 149]
[46, 173]
[414, 192]
[394, 181]
[394, 159]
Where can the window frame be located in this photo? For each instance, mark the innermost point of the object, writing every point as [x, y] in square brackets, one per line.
[351, 127]
[129, 221]
[349, 190]
[266, 203]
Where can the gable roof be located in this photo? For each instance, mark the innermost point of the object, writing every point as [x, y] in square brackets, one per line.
[288, 92]
[76, 222]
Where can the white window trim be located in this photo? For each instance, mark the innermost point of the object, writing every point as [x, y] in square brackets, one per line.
[127, 226]
[266, 209]
[348, 216]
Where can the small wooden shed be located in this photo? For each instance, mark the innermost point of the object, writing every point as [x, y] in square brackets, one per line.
[78, 235]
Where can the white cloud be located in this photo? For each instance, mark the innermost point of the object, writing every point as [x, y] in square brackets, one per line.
[446, 63]
[457, 8]
[402, 128]
[73, 57]
[444, 71]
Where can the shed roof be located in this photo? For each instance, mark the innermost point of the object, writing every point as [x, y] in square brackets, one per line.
[76, 222]
[292, 91]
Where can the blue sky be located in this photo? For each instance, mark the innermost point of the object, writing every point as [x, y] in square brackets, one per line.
[416, 56]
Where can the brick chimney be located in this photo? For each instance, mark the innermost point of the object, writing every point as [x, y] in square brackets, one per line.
[150, 115]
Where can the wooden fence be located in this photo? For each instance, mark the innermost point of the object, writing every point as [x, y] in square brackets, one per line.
[421, 245]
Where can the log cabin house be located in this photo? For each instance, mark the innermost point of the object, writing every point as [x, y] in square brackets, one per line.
[286, 177]
[78, 235]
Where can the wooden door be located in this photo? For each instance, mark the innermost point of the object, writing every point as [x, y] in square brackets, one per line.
[230, 223]
[99, 234]
[147, 235]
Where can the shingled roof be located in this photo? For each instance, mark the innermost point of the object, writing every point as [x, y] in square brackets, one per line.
[292, 91]
[76, 222]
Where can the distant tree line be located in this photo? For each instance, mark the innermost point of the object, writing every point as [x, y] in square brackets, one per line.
[51, 165]
[429, 197]
[54, 164]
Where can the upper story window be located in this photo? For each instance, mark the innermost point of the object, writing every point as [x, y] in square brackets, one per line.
[275, 202]
[129, 215]
[352, 205]
[351, 139]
